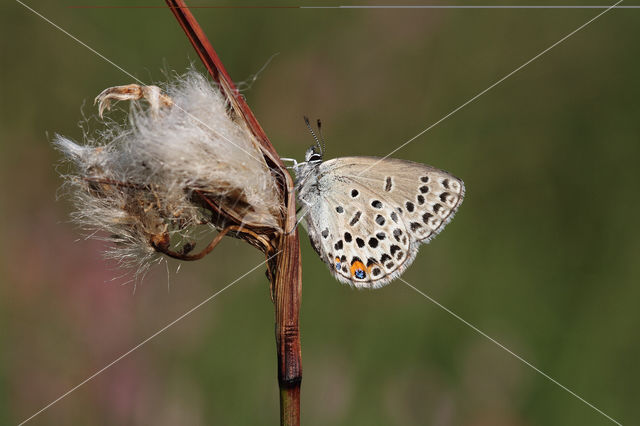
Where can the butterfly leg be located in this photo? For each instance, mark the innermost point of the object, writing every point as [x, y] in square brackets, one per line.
[295, 164]
[132, 92]
[293, 160]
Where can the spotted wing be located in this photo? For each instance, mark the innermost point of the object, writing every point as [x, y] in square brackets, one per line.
[372, 215]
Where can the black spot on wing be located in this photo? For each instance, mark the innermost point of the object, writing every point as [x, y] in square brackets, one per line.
[355, 218]
[388, 184]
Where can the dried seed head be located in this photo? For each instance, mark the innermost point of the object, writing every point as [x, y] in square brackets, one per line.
[136, 182]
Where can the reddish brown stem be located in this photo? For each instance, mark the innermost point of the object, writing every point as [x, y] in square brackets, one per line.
[218, 72]
[287, 292]
[285, 268]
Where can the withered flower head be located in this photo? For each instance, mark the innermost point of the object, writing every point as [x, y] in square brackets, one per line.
[149, 183]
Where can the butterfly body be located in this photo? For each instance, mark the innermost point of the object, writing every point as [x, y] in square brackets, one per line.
[367, 216]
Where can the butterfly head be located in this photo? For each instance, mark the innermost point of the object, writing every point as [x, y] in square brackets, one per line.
[313, 155]
[312, 158]
[308, 168]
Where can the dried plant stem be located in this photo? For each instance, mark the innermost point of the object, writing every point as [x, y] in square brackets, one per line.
[285, 268]
[180, 256]
[287, 290]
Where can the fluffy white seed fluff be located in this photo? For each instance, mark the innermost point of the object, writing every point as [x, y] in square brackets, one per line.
[134, 181]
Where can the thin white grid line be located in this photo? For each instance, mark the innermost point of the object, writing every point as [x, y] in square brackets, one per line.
[492, 86]
[190, 311]
[499, 6]
[426, 6]
[518, 357]
[136, 79]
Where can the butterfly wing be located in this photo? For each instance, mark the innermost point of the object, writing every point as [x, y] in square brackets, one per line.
[371, 215]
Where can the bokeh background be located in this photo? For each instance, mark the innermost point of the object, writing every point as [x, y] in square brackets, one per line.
[543, 254]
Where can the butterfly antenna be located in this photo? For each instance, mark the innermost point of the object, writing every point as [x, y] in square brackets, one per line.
[319, 124]
[306, 121]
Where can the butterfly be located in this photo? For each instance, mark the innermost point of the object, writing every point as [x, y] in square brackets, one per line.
[366, 216]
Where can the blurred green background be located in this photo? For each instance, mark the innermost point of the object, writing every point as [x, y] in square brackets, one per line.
[543, 254]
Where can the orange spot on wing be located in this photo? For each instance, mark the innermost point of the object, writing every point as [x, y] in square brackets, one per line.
[357, 265]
